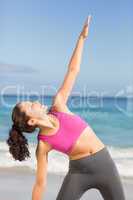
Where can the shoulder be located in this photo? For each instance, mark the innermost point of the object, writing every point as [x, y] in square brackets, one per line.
[58, 104]
[61, 108]
[42, 148]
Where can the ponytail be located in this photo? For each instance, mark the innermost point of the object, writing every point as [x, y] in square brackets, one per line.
[18, 144]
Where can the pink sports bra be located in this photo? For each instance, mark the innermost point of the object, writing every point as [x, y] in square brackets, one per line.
[70, 127]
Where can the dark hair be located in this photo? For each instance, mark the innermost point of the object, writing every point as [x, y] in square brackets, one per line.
[18, 144]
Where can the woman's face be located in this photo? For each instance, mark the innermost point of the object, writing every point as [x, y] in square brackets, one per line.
[34, 109]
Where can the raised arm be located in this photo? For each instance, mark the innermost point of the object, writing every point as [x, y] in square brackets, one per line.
[75, 60]
[63, 92]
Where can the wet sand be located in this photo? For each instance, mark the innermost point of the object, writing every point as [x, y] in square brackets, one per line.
[17, 183]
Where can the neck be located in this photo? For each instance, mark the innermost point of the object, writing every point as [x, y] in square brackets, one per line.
[48, 124]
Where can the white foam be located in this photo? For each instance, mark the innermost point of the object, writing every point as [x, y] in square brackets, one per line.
[123, 158]
[58, 162]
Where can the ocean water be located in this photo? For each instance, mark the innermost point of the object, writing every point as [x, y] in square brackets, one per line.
[111, 118]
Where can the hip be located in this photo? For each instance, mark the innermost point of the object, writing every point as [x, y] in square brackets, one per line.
[96, 163]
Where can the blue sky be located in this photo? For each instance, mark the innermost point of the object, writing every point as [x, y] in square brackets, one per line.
[38, 38]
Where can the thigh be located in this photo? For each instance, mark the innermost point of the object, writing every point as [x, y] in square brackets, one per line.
[112, 187]
[73, 187]
[109, 181]
[112, 191]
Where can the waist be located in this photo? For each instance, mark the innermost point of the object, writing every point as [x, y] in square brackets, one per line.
[92, 162]
[86, 144]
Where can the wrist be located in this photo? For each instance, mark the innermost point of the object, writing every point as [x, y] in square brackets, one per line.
[81, 37]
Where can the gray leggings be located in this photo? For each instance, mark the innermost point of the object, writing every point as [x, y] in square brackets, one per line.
[94, 171]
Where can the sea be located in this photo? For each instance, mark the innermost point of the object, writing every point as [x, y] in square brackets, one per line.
[110, 117]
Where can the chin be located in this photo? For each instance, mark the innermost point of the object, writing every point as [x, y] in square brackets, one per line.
[45, 110]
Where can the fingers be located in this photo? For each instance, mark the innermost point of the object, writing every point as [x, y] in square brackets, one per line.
[87, 22]
[85, 29]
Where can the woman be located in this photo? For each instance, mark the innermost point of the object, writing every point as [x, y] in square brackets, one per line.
[90, 164]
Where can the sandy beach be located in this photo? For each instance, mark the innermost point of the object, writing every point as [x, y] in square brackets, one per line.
[16, 184]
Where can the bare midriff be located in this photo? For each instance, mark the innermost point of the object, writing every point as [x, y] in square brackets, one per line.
[87, 144]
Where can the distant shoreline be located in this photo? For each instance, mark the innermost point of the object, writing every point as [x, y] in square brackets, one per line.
[89, 96]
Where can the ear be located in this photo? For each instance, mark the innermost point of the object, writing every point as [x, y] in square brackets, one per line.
[32, 122]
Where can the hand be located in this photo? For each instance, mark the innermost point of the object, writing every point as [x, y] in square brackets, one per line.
[86, 27]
